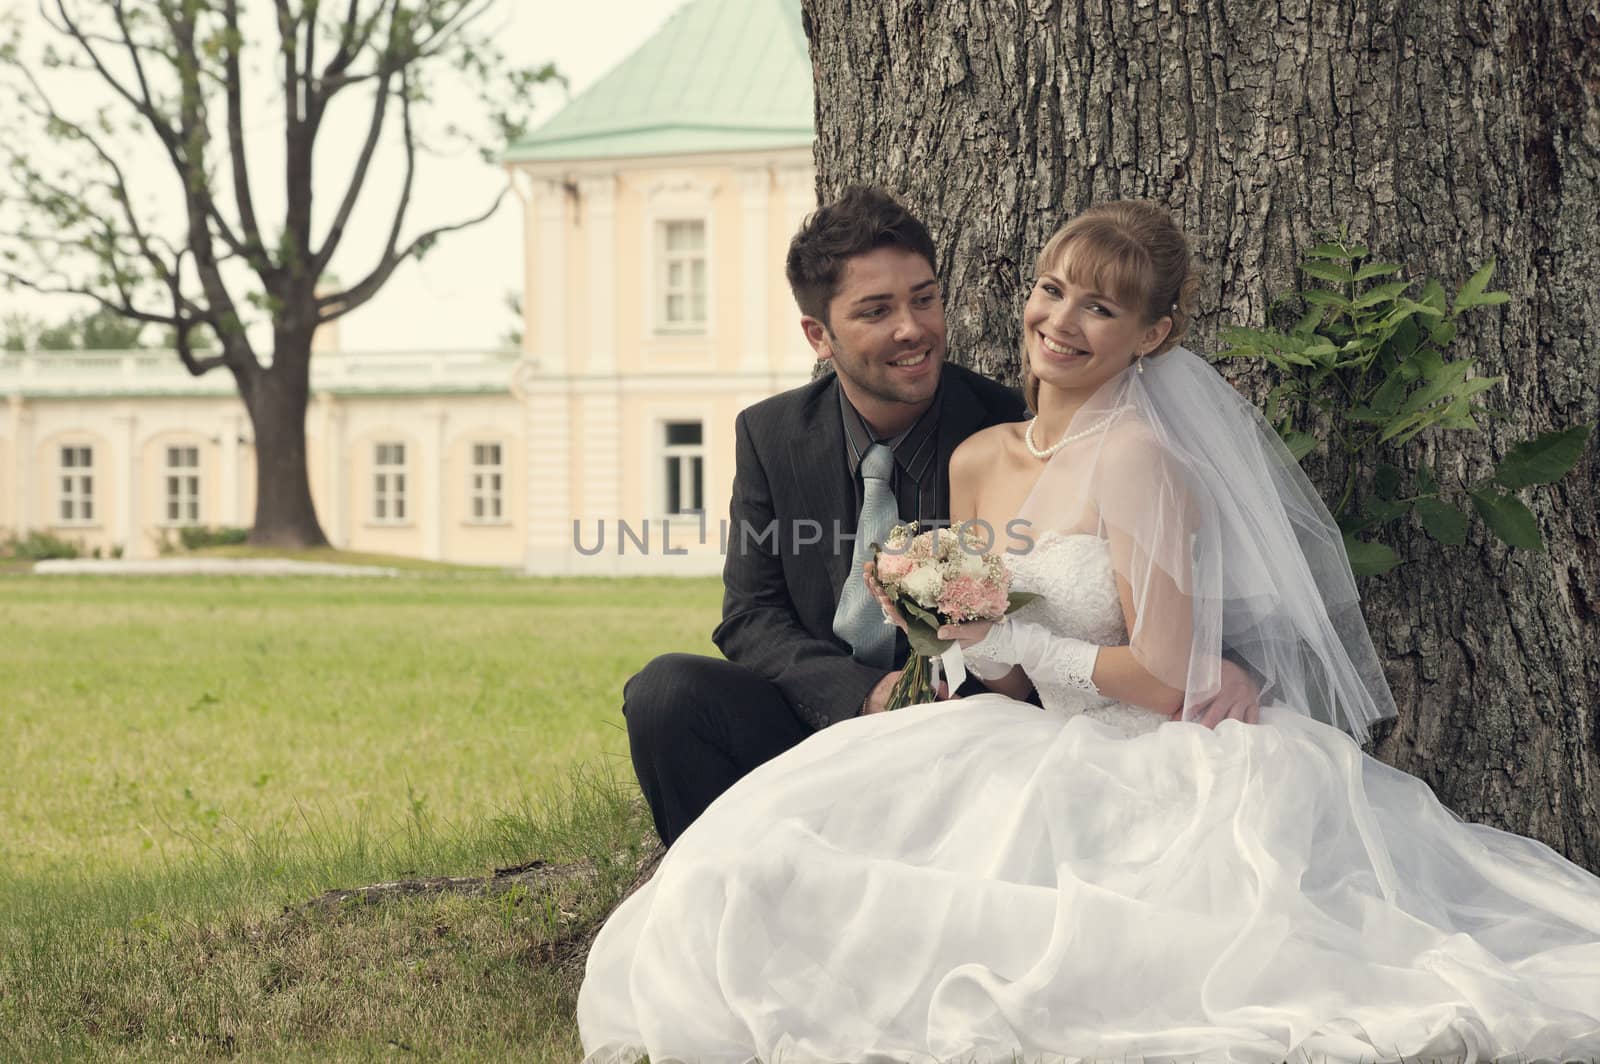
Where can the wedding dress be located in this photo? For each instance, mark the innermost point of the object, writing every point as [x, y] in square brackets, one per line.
[982, 880]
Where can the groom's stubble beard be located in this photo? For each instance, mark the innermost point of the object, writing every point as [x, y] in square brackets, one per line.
[871, 375]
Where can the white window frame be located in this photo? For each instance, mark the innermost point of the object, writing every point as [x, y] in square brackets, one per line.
[678, 196]
[75, 477]
[486, 483]
[180, 486]
[390, 483]
[665, 258]
[687, 455]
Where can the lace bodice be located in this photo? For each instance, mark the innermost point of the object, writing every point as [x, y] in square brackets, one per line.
[1072, 575]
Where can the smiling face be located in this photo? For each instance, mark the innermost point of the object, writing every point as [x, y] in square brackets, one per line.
[885, 336]
[1078, 336]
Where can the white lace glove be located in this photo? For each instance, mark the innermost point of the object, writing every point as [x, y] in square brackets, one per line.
[1060, 659]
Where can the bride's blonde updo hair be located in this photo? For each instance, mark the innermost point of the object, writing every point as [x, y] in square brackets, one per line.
[1135, 253]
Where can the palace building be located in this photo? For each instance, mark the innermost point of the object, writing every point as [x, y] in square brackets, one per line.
[657, 209]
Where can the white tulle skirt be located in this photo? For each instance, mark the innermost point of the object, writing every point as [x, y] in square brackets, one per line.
[983, 881]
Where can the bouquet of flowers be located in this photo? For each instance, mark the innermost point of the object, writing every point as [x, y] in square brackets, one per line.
[937, 578]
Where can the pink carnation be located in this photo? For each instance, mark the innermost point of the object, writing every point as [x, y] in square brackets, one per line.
[968, 598]
[893, 567]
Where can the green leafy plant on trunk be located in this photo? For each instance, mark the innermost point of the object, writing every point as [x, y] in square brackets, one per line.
[1367, 367]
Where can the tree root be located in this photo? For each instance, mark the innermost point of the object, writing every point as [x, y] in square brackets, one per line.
[566, 953]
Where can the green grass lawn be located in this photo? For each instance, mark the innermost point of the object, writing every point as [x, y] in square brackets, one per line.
[183, 757]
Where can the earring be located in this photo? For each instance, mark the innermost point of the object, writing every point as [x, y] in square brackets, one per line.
[1138, 365]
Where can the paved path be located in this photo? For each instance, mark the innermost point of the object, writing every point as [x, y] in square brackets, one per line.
[207, 566]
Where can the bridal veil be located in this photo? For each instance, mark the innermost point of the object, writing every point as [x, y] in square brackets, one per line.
[1219, 538]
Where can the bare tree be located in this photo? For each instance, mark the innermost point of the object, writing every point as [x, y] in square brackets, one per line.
[1441, 136]
[189, 77]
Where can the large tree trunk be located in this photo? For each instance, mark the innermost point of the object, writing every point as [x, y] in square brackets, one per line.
[1442, 134]
[276, 399]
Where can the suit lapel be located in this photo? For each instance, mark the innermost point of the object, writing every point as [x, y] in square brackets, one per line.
[822, 476]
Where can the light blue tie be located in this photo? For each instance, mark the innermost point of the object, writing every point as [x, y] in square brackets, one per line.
[859, 618]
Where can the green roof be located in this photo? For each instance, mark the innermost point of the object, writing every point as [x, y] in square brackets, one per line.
[721, 75]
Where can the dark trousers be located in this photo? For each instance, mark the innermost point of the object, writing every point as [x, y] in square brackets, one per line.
[695, 726]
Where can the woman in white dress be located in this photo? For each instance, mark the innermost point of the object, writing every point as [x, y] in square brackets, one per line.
[1110, 877]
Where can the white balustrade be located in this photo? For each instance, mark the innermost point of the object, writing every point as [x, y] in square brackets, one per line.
[50, 374]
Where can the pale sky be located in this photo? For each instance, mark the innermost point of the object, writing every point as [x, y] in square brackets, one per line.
[455, 297]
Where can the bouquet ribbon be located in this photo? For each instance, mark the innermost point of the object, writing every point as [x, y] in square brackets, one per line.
[955, 667]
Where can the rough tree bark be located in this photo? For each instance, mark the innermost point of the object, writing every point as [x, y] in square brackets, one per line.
[1440, 133]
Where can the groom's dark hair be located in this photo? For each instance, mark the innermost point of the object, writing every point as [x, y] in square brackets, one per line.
[863, 218]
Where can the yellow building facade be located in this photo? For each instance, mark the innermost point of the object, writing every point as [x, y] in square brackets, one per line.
[657, 210]
[412, 453]
[658, 207]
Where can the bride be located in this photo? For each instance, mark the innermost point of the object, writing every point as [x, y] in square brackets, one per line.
[982, 880]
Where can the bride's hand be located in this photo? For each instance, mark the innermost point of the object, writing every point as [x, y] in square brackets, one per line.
[968, 634]
[869, 573]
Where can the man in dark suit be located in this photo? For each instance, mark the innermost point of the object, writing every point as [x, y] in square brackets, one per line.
[862, 272]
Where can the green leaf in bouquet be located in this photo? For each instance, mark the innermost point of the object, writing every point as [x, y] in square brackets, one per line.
[924, 639]
[1018, 599]
[911, 609]
[1544, 459]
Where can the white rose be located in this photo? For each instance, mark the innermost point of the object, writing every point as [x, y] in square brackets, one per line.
[923, 584]
[973, 565]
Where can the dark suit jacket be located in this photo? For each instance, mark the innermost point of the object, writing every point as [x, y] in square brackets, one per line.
[779, 591]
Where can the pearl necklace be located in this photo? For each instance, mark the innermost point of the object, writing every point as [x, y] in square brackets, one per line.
[1046, 452]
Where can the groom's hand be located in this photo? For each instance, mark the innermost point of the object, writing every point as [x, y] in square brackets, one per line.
[1238, 698]
[891, 612]
[878, 697]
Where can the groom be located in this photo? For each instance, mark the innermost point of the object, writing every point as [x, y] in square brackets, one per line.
[862, 272]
